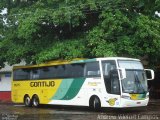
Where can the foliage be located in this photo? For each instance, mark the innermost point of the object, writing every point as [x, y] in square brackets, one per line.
[72, 49]
[42, 30]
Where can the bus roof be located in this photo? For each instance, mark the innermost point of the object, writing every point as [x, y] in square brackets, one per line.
[118, 58]
[77, 60]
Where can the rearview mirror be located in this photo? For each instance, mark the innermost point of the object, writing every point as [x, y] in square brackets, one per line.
[149, 74]
[122, 72]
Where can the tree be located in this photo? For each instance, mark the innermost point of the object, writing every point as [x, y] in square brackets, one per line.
[131, 31]
[43, 30]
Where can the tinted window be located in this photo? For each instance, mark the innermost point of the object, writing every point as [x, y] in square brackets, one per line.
[47, 72]
[21, 74]
[68, 71]
[111, 77]
[62, 71]
[92, 69]
[59, 71]
[78, 70]
[34, 73]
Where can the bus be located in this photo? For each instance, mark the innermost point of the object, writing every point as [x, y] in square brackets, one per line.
[100, 82]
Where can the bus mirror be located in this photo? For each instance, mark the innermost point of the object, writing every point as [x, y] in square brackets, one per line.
[122, 73]
[149, 74]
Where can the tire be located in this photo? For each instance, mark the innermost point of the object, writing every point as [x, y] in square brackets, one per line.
[35, 101]
[27, 101]
[95, 104]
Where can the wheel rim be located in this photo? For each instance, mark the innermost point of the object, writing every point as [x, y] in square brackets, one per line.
[95, 103]
[27, 101]
[35, 102]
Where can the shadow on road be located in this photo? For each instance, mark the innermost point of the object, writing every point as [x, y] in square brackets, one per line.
[87, 109]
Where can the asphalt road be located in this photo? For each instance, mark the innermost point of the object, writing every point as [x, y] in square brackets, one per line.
[20, 112]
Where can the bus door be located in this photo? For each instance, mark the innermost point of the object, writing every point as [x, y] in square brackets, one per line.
[111, 81]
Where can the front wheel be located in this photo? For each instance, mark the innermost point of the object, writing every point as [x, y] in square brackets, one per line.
[35, 101]
[95, 104]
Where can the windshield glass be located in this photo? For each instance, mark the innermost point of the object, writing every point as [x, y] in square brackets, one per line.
[130, 64]
[135, 81]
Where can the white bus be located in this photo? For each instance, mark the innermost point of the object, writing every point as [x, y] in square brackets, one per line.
[101, 82]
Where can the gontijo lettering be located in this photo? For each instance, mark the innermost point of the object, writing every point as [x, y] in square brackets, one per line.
[42, 84]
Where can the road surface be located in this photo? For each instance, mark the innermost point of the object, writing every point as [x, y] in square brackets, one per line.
[20, 112]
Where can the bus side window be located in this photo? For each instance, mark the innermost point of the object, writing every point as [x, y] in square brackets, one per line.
[78, 70]
[92, 69]
[34, 74]
[59, 71]
[73, 71]
[68, 73]
[21, 74]
[47, 72]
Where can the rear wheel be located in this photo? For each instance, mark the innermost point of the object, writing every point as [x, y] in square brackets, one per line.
[35, 101]
[27, 101]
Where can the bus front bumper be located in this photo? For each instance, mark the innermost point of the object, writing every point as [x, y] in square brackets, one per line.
[133, 103]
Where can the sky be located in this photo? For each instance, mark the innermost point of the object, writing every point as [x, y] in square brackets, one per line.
[157, 13]
[4, 11]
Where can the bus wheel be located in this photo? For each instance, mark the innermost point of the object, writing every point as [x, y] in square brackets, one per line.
[35, 101]
[95, 103]
[27, 101]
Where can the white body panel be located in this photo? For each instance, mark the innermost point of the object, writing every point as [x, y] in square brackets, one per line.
[96, 86]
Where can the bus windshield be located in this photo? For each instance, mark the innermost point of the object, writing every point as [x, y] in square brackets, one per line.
[135, 81]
